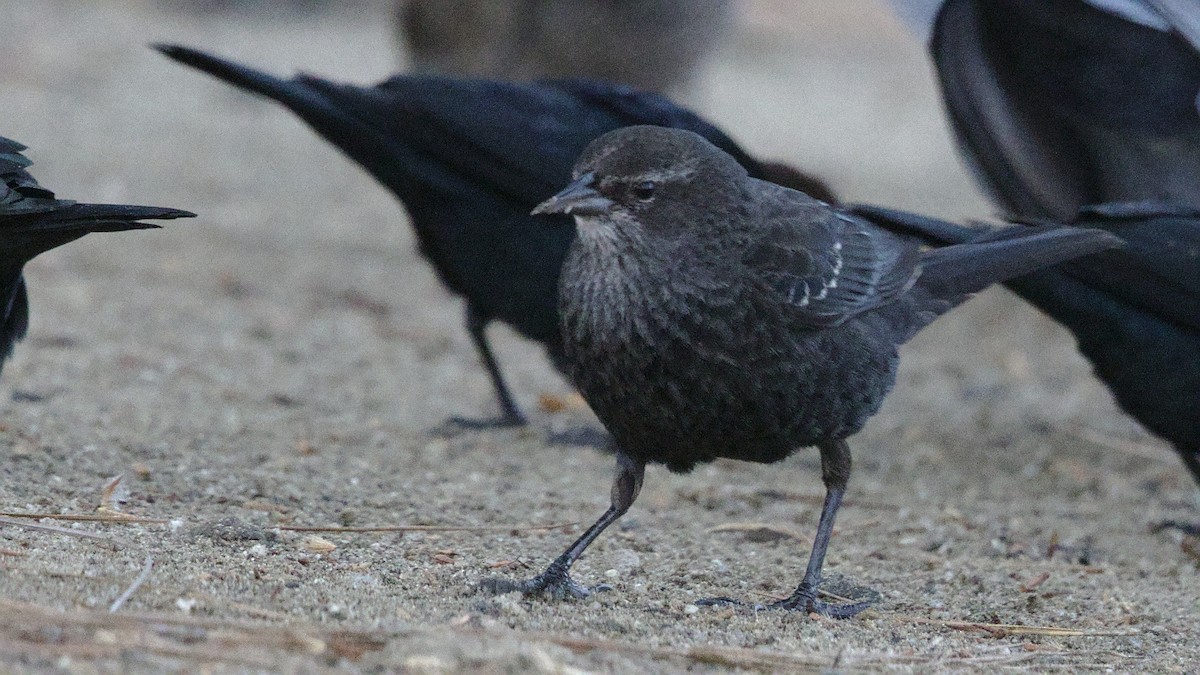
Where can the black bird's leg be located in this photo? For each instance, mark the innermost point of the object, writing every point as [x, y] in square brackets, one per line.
[835, 473]
[511, 415]
[556, 580]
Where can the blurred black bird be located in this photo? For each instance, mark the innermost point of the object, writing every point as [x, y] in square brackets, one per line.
[1063, 103]
[707, 314]
[1135, 311]
[469, 159]
[33, 221]
[648, 44]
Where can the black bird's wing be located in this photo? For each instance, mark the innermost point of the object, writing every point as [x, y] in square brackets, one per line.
[469, 159]
[632, 107]
[1156, 271]
[1021, 168]
[1135, 311]
[828, 264]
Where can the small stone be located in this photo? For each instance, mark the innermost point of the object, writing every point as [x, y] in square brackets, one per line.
[317, 544]
[690, 609]
[426, 664]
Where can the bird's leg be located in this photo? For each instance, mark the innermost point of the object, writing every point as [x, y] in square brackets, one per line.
[511, 415]
[835, 473]
[556, 580]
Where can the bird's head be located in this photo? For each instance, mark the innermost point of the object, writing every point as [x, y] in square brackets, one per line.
[652, 185]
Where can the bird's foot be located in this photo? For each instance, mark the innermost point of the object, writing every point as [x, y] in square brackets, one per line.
[457, 425]
[555, 583]
[805, 600]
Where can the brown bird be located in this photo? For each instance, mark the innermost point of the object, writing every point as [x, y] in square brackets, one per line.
[708, 314]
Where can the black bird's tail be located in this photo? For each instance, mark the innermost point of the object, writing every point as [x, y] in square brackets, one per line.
[30, 233]
[84, 218]
[344, 115]
[1154, 272]
[962, 269]
[277, 88]
[969, 259]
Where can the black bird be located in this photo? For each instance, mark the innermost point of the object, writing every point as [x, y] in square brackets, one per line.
[469, 159]
[649, 44]
[708, 314]
[33, 221]
[1134, 311]
[1063, 103]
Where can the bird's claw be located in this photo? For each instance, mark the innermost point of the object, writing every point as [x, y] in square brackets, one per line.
[805, 599]
[811, 605]
[557, 585]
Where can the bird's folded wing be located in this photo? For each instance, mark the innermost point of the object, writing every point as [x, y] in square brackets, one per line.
[20, 193]
[825, 263]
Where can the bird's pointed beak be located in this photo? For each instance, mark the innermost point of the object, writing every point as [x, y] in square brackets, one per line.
[577, 199]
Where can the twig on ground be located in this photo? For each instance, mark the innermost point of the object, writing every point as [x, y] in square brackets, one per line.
[1005, 629]
[59, 530]
[426, 528]
[1031, 585]
[109, 517]
[137, 583]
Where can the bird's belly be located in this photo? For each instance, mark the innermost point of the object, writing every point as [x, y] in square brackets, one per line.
[673, 402]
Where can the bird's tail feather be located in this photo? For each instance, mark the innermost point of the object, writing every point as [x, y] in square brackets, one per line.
[969, 259]
[999, 255]
[256, 81]
[85, 218]
[393, 163]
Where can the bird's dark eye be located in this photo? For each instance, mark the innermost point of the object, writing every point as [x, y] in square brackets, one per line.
[645, 190]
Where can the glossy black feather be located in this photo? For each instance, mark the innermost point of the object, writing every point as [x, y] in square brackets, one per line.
[33, 221]
[1134, 311]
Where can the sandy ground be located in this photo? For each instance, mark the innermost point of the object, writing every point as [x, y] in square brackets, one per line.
[281, 360]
